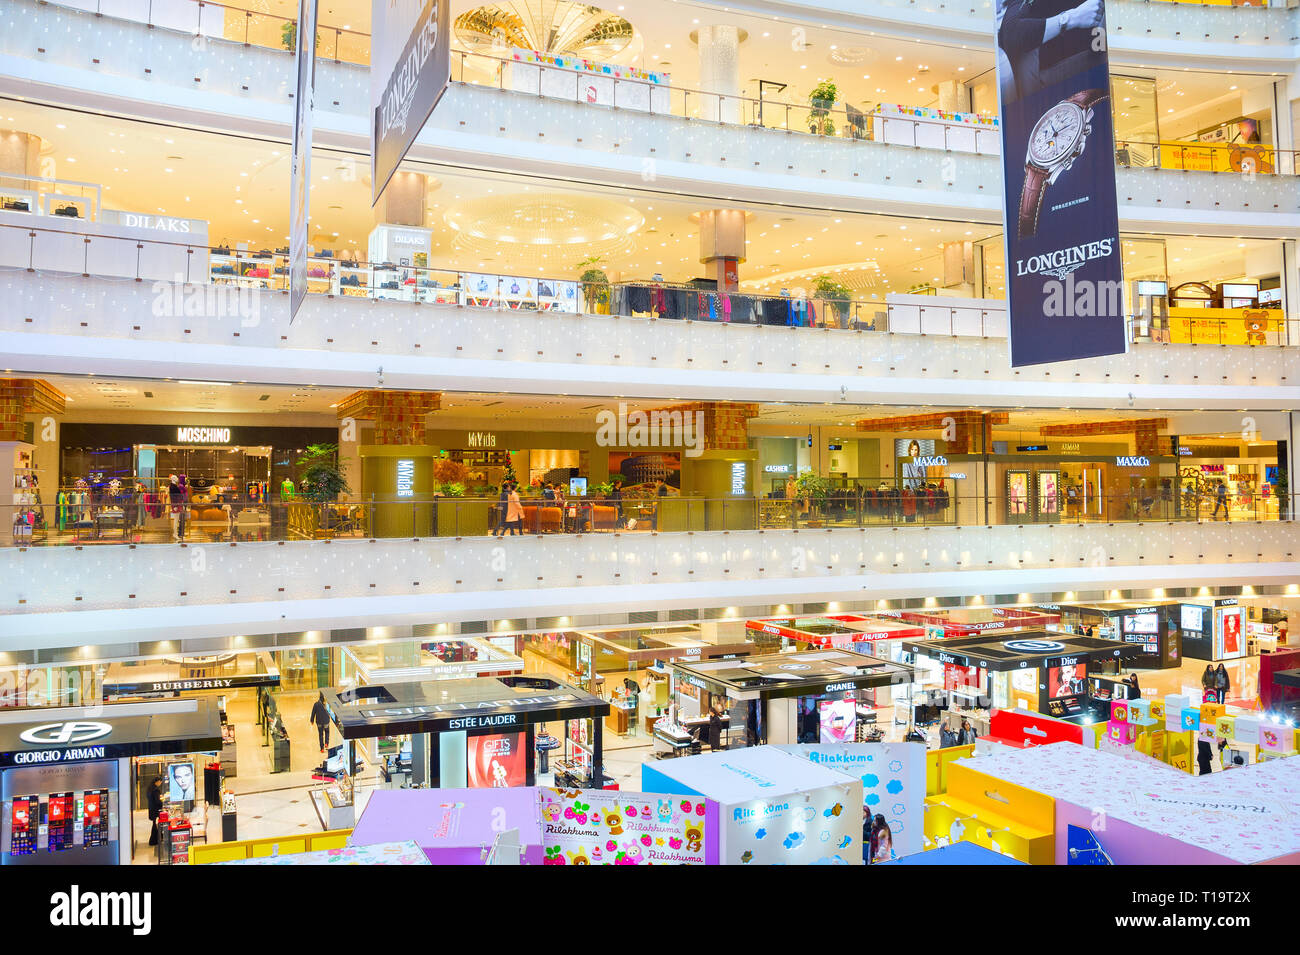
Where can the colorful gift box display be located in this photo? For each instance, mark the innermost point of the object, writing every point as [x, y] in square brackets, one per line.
[1119, 711]
[1225, 727]
[1274, 738]
[1122, 732]
[1190, 718]
[1212, 711]
[1246, 729]
[1139, 710]
[1157, 709]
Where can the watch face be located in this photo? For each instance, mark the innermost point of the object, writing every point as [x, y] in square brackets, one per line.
[1056, 134]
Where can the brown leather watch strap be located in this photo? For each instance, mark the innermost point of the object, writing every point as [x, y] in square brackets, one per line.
[1088, 98]
[1031, 200]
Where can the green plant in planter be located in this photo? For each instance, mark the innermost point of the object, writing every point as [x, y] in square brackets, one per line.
[816, 489]
[822, 99]
[289, 36]
[836, 293]
[322, 474]
[595, 283]
[451, 489]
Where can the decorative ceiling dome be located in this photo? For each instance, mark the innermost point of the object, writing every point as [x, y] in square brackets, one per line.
[543, 229]
[547, 26]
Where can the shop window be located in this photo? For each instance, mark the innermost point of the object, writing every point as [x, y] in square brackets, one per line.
[1136, 118]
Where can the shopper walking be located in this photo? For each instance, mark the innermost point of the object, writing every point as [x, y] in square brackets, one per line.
[514, 512]
[1220, 501]
[661, 492]
[502, 505]
[320, 717]
[1210, 681]
[1222, 683]
[155, 801]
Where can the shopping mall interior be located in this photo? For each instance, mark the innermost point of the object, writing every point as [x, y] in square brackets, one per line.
[832, 538]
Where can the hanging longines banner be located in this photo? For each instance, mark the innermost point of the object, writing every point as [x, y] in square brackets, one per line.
[1064, 272]
[410, 67]
[300, 181]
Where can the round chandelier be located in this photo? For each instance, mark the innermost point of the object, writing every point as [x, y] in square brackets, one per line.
[547, 26]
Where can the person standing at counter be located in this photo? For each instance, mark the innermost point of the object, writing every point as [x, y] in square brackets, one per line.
[966, 735]
[615, 499]
[661, 492]
[715, 726]
[155, 800]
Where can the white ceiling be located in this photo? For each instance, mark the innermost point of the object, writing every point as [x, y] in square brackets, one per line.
[109, 399]
[238, 185]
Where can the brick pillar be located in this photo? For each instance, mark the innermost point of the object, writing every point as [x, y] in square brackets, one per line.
[398, 415]
[726, 423]
[23, 396]
[1147, 439]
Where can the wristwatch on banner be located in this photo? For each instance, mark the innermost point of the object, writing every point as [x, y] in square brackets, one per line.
[1056, 142]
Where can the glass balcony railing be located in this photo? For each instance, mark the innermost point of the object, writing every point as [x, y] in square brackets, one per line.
[114, 517]
[234, 291]
[62, 33]
[551, 569]
[234, 22]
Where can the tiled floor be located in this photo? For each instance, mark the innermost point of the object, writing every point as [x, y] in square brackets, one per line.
[280, 804]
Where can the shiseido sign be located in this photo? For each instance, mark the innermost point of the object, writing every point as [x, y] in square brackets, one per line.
[413, 81]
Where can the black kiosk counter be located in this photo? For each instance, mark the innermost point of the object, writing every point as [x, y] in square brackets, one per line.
[1054, 668]
[479, 732]
[66, 775]
[802, 697]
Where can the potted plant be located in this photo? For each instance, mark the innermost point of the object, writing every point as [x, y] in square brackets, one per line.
[835, 293]
[813, 489]
[822, 99]
[322, 478]
[595, 285]
[289, 36]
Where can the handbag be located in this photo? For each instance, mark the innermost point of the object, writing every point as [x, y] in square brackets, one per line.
[17, 205]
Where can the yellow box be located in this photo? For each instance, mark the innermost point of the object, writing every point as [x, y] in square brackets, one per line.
[1225, 727]
[1157, 709]
[1212, 711]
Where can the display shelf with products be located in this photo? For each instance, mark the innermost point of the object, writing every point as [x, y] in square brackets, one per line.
[335, 804]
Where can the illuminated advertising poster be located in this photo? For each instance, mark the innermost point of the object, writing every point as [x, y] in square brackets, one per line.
[1066, 681]
[1231, 641]
[1064, 279]
[497, 761]
[594, 827]
[893, 791]
[839, 719]
[410, 66]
